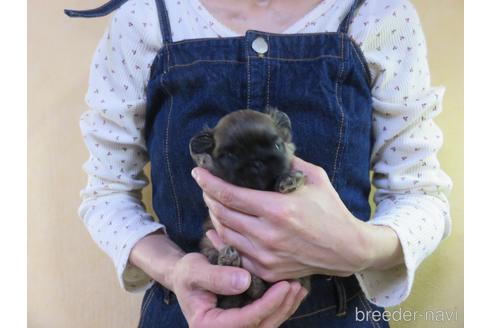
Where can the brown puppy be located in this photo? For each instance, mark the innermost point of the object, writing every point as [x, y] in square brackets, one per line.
[249, 149]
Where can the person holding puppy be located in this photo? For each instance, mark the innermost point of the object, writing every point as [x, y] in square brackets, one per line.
[352, 76]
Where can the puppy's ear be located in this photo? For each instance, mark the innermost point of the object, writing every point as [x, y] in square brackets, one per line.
[282, 123]
[201, 147]
[202, 142]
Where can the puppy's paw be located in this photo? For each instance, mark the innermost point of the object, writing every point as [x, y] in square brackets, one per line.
[231, 301]
[290, 182]
[212, 254]
[306, 282]
[257, 288]
[229, 256]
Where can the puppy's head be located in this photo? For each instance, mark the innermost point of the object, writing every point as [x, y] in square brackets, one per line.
[246, 148]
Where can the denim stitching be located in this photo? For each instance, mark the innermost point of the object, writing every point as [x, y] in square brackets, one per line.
[342, 114]
[292, 35]
[149, 298]
[303, 59]
[248, 61]
[198, 61]
[364, 65]
[165, 27]
[313, 313]
[323, 309]
[146, 304]
[367, 308]
[166, 152]
[168, 57]
[346, 123]
[166, 30]
[176, 43]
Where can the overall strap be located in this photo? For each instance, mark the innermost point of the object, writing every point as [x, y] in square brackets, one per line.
[344, 26]
[164, 21]
[103, 10]
[112, 5]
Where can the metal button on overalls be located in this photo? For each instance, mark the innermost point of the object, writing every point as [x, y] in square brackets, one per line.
[260, 46]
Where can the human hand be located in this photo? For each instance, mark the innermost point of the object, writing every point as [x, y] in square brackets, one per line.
[196, 283]
[286, 236]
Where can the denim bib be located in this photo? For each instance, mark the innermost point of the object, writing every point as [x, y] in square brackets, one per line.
[322, 82]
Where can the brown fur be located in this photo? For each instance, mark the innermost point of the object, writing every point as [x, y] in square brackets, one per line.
[254, 150]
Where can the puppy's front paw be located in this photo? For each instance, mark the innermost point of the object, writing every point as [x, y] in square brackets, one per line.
[231, 301]
[306, 282]
[290, 182]
[257, 288]
[212, 254]
[229, 256]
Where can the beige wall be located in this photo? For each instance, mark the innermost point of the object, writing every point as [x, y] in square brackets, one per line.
[71, 283]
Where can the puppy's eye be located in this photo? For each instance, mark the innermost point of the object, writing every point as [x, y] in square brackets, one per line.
[229, 156]
[278, 146]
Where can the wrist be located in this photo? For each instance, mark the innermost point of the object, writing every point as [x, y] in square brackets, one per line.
[352, 245]
[157, 256]
[166, 269]
[361, 245]
[381, 248]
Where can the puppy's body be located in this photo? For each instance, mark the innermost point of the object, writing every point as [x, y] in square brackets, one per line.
[249, 149]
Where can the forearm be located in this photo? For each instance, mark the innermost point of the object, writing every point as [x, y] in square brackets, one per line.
[157, 256]
[420, 221]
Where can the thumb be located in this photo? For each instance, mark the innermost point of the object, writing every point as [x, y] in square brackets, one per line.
[223, 280]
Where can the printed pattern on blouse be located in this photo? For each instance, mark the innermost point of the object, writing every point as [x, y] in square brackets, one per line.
[411, 188]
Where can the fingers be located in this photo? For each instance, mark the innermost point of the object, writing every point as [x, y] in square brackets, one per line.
[288, 307]
[215, 239]
[250, 315]
[269, 302]
[229, 237]
[315, 174]
[240, 222]
[245, 200]
[234, 239]
[270, 272]
[223, 280]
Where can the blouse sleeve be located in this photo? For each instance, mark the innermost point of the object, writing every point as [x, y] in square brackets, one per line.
[112, 210]
[411, 188]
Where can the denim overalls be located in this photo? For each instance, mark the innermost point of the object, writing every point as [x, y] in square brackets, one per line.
[320, 80]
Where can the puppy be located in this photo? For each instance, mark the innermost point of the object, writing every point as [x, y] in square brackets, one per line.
[249, 149]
